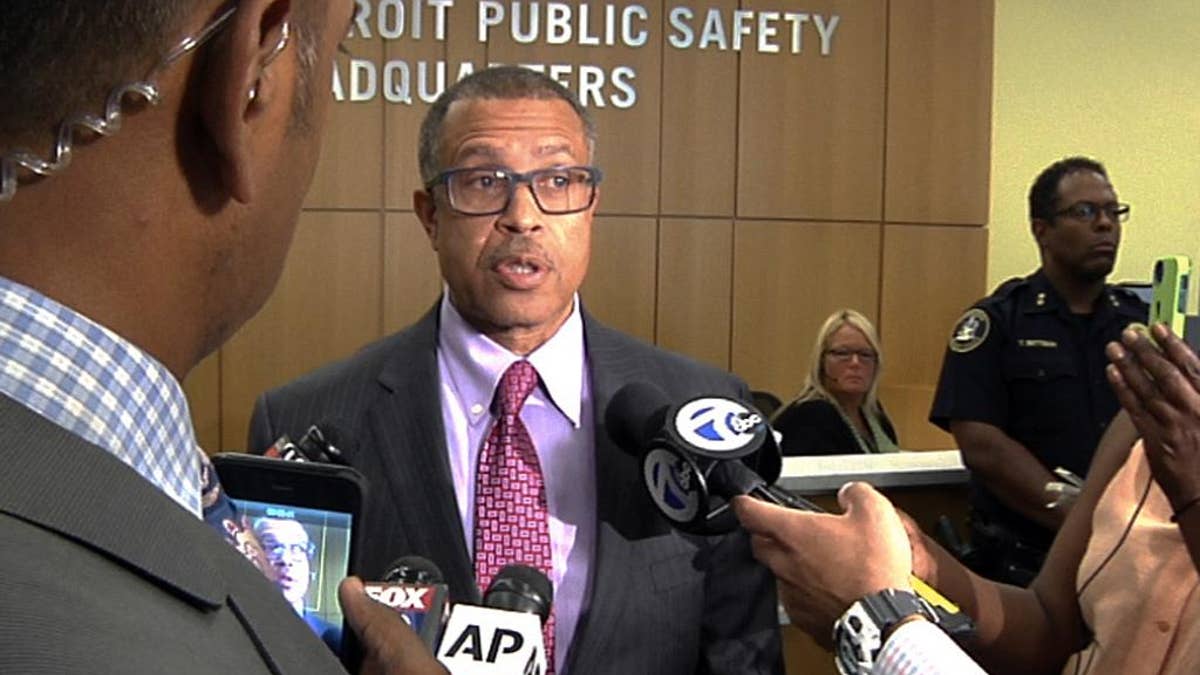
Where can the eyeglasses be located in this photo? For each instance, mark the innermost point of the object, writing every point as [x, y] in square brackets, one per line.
[1089, 212]
[110, 122]
[844, 355]
[486, 192]
[278, 550]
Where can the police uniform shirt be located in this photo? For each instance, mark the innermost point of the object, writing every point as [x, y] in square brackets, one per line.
[1021, 361]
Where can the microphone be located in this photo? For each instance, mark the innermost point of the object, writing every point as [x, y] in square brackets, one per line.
[684, 478]
[682, 446]
[505, 635]
[415, 589]
[325, 443]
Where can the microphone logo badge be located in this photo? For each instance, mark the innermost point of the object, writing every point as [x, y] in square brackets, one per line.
[719, 427]
[671, 480]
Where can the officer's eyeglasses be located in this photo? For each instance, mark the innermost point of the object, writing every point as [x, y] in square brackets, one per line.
[486, 192]
[844, 355]
[1089, 212]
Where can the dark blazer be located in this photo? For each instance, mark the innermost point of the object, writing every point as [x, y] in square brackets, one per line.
[100, 572]
[815, 427]
[660, 602]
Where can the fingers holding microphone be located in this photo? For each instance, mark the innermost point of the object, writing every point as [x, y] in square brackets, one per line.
[824, 562]
[389, 645]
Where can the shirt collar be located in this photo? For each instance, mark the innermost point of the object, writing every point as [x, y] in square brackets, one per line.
[477, 362]
[99, 386]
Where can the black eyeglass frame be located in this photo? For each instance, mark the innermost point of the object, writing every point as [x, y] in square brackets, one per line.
[516, 179]
[1118, 212]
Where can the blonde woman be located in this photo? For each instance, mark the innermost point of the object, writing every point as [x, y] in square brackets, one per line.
[837, 411]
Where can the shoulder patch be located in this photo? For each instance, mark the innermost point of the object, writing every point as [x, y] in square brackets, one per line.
[970, 331]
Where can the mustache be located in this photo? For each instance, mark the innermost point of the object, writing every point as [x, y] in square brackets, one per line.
[519, 247]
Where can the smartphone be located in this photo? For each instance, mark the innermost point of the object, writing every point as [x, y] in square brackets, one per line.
[1168, 300]
[306, 516]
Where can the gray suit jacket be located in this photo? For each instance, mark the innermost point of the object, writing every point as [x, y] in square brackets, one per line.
[100, 572]
[660, 602]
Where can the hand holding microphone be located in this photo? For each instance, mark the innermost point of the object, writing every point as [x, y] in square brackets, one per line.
[688, 464]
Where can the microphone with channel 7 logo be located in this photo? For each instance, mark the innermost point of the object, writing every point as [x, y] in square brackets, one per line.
[505, 635]
[415, 589]
[685, 448]
[685, 451]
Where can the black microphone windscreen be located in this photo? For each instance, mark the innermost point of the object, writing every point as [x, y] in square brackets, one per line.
[520, 588]
[414, 569]
[635, 414]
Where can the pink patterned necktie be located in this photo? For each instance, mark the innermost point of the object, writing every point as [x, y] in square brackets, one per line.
[512, 523]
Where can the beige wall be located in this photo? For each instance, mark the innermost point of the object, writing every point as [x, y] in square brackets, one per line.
[747, 195]
[1113, 79]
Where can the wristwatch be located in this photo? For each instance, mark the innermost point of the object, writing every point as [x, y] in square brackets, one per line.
[859, 634]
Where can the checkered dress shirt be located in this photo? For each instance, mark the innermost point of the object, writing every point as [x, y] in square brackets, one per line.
[93, 383]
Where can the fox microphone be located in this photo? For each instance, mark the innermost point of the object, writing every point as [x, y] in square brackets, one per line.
[415, 589]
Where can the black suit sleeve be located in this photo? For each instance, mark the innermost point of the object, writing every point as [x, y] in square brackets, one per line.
[740, 630]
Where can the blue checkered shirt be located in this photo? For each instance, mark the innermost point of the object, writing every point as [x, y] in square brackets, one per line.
[93, 383]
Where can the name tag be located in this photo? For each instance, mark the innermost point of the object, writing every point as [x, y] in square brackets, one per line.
[1047, 344]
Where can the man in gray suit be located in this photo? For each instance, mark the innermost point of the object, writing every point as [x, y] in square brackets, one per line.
[509, 197]
[116, 277]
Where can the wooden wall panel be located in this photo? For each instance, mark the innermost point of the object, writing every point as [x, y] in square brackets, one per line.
[411, 280]
[628, 147]
[810, 128]
[695, 272]
[619, 289]
[203, 390]
[699, 129]
[326, 306]
[930, 275]
[787, 277]
[350, 172]
[939, 113]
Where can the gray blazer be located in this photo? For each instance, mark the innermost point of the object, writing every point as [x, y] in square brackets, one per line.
[660, 602]
[100, 572]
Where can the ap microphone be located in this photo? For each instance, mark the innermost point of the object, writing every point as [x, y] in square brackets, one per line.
[415, 589]
[504, 636]
[681, 446]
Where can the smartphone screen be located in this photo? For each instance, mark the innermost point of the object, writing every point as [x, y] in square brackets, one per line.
[309, 551]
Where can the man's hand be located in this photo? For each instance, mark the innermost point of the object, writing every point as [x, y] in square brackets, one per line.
[1161, 391]
[389, 646]
[825, 562]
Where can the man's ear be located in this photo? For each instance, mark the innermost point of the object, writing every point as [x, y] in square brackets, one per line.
[244, 82]
[1038, 227]
[425, 206]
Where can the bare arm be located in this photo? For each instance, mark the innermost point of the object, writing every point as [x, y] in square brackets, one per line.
[1007, 469]
[1031, 630]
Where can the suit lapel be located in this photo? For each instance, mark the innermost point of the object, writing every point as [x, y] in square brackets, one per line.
[60, 482]
[617, 492]
[407, 427]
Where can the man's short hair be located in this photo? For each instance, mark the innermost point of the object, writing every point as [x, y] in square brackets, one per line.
[1043, 196]
[64, 57]
[503, 83]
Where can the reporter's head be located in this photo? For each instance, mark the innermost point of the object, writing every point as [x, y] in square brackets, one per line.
[168, 215]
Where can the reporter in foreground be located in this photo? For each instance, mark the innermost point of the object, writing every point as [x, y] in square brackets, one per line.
[1118, 593]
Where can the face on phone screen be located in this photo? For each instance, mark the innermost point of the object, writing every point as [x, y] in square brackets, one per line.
[308, 551]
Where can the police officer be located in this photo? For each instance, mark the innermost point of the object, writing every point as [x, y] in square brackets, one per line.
[1022, 385]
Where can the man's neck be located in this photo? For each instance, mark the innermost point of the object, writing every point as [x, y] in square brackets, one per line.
[1079, 294]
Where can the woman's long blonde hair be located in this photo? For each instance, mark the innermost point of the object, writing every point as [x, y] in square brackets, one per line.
[814, 388]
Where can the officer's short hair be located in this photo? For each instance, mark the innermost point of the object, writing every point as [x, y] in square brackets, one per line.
[1043, 196]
